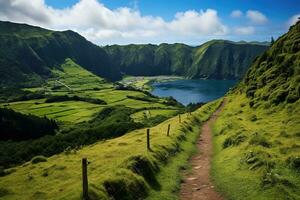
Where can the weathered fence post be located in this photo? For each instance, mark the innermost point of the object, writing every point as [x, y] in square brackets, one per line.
[179, 118]
[148, 139]
[168, 133]
[85, 193]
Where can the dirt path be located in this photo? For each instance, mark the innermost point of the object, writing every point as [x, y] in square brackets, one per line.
[197, 184]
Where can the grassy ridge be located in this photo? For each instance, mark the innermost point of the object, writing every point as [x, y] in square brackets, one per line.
[121, 168]
[86, 108]
[255, 151]
[257, 138]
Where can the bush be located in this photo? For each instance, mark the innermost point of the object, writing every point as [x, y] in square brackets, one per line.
[279, 96]
[126, 185]
[234, 140]
[270, 179]
[38, 159]
[3, 192]
[257, 159]
[259, 140]
[253, 118]
[294, 162]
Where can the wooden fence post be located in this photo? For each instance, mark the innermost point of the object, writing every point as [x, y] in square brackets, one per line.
[179, 118]
[85, 193]
[168, 133]
[148, 139]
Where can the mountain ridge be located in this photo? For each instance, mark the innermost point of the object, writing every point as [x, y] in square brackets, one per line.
[29, 53]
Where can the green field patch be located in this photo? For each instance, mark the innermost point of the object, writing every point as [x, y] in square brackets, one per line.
[112, 166]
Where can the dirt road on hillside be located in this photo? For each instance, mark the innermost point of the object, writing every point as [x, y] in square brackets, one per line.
[197, 184]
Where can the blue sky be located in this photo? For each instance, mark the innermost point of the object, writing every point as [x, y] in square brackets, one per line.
[156, 21]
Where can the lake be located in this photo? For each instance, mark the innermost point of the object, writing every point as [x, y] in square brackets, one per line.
[193, 91]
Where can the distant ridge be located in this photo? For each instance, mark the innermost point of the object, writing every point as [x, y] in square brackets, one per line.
[29, 53]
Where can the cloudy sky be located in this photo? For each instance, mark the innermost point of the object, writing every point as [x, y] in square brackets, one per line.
[155, 21]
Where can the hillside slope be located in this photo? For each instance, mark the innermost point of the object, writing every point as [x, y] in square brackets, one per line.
[257, 138]
[216, 59]
[28, 53]
[120, 168]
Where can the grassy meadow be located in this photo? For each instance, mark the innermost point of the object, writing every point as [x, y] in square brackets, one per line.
[86, 108]
[121, 168]
[257, 150]
[72, 79]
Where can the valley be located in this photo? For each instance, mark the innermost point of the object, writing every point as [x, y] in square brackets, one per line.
[150, 119]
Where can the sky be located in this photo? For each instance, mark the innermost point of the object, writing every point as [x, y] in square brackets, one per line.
[193, 22]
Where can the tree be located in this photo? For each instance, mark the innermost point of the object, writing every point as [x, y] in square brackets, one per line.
[272, 40]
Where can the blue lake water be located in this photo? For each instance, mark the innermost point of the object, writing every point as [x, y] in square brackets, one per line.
[193, 91]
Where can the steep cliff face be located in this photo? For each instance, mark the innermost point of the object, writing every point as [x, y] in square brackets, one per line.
[217, 59]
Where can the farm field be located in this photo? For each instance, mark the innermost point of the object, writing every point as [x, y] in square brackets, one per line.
[74, 80]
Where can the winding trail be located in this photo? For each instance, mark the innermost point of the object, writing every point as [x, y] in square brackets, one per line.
[197, 184]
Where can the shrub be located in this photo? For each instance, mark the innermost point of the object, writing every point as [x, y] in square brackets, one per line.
[38, 159]
[126, 185]
[279, 96]
[294, 162]
[257, 159]
[271, 178]
[253, 118]
[3, 192]
[258, 139]
[234, 140]
[292, 97]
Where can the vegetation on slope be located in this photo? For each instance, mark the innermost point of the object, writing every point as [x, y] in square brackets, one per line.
[86, 109]
[119, 168]
[16, 126]
[29, 54]
[217, 59]
[256, 139]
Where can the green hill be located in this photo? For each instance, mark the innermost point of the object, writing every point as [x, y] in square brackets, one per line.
[28, 55]
[216, 59]
[257, 138]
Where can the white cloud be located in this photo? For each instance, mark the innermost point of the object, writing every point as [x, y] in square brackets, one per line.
[122, 25]
[197, 23]
[246, 30]
[236, 13]
[293, 19]
[256, 17]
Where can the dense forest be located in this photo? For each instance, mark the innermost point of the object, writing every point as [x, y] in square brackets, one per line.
[17, 126]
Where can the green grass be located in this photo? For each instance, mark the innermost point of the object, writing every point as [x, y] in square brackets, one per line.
[72, 79]
[122, 163]
[152, 113]
[169, 176]
[252, 149]
[68, 111]
[144, 82]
